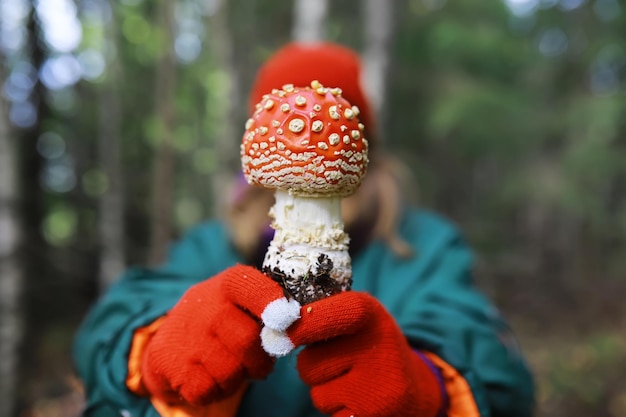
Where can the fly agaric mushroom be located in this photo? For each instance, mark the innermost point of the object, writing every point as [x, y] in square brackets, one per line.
[307, 144]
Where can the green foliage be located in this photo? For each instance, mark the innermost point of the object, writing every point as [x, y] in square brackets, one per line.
[204, 160]
[59, 226]
[458, 114]
[188, 211]
[95, 182]
[582, 377]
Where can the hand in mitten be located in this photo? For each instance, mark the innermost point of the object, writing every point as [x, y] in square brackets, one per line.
[358, 362]
[208, 345]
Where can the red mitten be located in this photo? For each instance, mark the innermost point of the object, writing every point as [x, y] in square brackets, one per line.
[208, 345]
[359, 363]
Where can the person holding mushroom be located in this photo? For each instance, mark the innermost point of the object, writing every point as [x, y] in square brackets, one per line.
[352, 303]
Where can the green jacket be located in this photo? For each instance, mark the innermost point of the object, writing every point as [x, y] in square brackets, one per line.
[431, 296]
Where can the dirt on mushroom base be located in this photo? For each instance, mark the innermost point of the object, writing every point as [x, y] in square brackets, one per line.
[312, 286]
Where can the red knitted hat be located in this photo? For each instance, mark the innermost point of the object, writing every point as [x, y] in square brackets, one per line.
[299, 64]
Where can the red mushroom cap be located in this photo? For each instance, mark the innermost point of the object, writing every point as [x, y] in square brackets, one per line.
[306, 140]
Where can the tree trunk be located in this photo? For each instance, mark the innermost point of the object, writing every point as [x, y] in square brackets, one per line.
[32, 207]
[11, 323]
[309, 23]
[34, 260]
[378, 26]
[226, 143]
[111, 203]
[163, 165]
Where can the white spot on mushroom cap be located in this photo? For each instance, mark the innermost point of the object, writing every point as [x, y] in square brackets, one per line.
[296, 125]
[333, 139]
[317, 126]
[300, 101]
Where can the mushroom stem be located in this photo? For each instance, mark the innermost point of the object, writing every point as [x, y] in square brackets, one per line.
[309, 252]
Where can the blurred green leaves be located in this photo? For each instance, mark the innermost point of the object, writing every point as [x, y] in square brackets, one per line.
[518, 130]
[580, 376]
[459, 110]
[204, 160]
[59, 227]
[136, 28]
[95, 182]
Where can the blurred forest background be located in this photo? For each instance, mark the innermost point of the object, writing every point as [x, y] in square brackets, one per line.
[119, 129]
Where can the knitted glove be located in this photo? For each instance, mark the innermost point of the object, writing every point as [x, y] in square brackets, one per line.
[208, 345]
[358, 362]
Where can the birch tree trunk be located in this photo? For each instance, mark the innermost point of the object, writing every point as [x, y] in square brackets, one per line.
[163, 165]
[378, 31]
[10, 271]
[226, 144]
[309, 23]
[111, 203]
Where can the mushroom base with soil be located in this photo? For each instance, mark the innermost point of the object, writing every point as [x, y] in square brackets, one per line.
[309, 253]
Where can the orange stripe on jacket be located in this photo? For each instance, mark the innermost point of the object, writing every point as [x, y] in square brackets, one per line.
[225, 408]
[461, 399]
